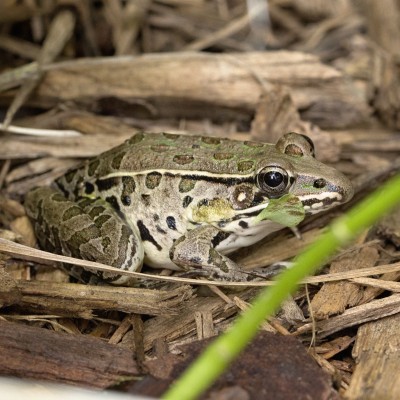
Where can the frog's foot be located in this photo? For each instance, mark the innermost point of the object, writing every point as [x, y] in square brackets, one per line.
[195, 251]
[88, 229]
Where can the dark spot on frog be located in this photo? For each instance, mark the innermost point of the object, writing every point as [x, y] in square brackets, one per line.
[258, 199]
[94, 212]
[186, 185]
[203, 202]
[210, 140]
[116, 162]
[171, 223]
[146, 199]
[153, 179]
[253, 144]
[156, 217]
[223, 156]
[183, 159]
[126, 200]
[89, 188]
[129, 185]
[245, 165]
[160, 148]
[101, 220]
[243, 224]
[107, 184]
[219, 237]
[186, 201]
[171, 136]
[114, 202]
[71, 212]
[146, 235]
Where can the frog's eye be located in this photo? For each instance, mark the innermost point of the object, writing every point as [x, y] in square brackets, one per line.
[273, 180]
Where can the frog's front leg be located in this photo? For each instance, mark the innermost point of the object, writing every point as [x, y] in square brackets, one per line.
[88, 229]
[196, 249]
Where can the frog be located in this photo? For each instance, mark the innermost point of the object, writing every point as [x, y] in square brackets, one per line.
[181, 202]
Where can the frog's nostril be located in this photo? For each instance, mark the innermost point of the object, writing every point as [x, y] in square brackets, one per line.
[319, 183]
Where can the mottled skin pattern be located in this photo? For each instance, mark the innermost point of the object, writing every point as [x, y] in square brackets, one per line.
[180, 202]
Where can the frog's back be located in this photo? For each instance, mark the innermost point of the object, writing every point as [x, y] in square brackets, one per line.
[171, 152]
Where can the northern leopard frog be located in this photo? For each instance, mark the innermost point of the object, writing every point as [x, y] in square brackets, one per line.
[182, 202]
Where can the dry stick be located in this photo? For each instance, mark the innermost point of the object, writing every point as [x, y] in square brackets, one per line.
[20, 47]
[60, 31]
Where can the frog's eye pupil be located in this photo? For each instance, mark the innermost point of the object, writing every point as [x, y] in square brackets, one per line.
[273, 178]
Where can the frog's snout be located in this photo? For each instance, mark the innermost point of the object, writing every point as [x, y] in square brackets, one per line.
[345, 188]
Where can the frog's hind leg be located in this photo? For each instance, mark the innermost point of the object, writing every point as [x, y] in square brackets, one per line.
[88, 229]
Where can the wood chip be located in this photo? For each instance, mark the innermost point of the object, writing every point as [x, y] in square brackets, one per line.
[373, 310]
[334, 298]
[377, 352]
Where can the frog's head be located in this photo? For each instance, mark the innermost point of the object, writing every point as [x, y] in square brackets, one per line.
[286, 183]
[292, 170]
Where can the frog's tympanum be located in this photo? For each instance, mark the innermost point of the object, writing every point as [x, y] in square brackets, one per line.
[182, 202]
